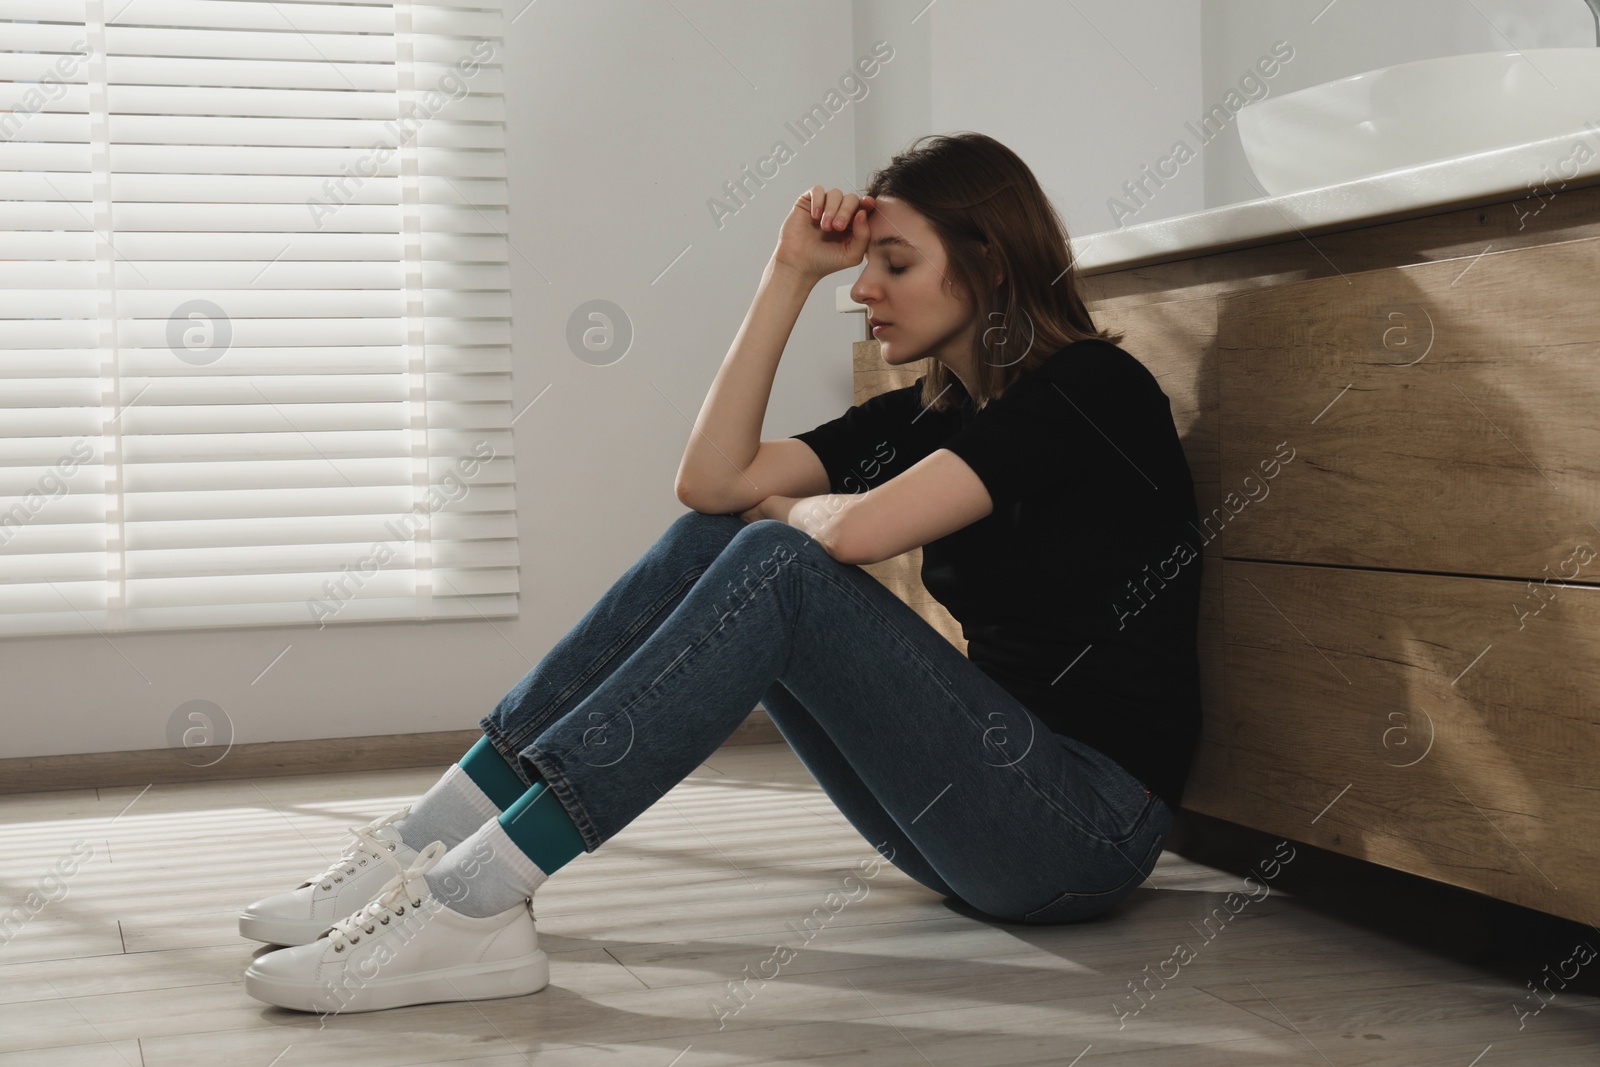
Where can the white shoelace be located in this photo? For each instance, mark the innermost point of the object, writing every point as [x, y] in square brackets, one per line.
[386, 905]
[367, 843]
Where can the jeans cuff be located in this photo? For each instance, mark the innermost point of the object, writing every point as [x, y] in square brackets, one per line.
[550, 770]
[503, 747]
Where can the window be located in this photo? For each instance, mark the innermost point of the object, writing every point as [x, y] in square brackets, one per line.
[254, 314]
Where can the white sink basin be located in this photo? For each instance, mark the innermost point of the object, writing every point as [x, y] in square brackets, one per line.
[1413, 113]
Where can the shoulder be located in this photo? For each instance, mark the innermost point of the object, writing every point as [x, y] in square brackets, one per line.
[1094, 360]
[890, 402]
[1085, 367]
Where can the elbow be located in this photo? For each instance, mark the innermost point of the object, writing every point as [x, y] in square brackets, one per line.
[842, 535]
[850, 556]
[845, 548]
[680, 487]
[701, 508]
[845, 556]
[693, 503]
[686, 496]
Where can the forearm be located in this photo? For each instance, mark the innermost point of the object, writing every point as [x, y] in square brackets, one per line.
[820, 517]
[727, 432]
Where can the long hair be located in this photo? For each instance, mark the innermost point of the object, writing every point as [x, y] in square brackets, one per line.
[989, 211]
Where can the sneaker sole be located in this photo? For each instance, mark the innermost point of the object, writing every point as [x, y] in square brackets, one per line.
[285, 932]
[509, 978]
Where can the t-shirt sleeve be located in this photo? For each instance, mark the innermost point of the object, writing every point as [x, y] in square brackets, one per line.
[1050, 432]
[875, 440]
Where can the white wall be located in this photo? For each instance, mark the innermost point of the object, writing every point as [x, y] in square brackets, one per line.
[901, 109]
[1086, 93]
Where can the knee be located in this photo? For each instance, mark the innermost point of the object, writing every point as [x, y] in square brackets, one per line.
[694, 519]
[772, 539]
[703, 534]
[772, 531]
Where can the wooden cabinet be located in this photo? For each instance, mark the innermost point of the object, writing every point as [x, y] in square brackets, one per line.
[1446, 415]
[1400, 625]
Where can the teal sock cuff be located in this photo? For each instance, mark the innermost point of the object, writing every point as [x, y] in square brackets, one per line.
[492, 774]
[542, 829]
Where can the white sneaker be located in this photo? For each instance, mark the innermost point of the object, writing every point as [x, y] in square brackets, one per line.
[405, 947]
[374, 856]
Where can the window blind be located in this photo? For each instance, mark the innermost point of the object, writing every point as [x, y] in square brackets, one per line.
[254, 314]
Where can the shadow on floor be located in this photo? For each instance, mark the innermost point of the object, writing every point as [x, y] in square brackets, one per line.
[1444, 919]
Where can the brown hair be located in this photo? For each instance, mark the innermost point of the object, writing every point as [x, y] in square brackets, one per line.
[980, 196]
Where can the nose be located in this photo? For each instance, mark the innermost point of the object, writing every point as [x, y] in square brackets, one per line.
[863, 293]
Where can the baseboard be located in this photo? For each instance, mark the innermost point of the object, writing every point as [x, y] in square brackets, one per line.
[270, 759]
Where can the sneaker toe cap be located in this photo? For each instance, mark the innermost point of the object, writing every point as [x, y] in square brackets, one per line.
[285, 919]
[289, 977]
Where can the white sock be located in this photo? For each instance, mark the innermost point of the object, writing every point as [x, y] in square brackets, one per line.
[448, 812]
[485, 874]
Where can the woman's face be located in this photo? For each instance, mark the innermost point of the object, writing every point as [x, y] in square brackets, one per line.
[903, 283]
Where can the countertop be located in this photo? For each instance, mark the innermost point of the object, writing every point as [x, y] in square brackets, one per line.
[1538, 169]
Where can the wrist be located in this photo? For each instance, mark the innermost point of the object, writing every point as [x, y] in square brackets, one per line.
[785, 274]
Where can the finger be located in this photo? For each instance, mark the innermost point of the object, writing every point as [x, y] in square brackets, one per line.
[840, 213]
[867, 205]
[847, 210]
[860, 235]
[831, 211]
[817, 196]
[849, 203]
[825, 212]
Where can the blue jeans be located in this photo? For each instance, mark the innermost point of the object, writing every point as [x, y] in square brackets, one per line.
[953, 780]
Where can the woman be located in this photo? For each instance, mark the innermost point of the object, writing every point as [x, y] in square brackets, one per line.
[1034, 778]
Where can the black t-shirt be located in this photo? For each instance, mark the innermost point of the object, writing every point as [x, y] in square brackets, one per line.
[1079, 593]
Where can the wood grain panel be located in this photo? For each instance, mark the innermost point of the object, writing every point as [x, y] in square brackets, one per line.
[1398, 479]
[1517, 221]
[1410, 720]
[1441, 415]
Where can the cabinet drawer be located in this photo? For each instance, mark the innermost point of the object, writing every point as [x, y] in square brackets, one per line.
[1444, 726]
[1441, 415]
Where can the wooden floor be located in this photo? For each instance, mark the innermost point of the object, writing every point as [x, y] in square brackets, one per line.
[138, 961]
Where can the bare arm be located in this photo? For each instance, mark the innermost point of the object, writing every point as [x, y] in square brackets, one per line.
[825, 231]
[816, 516]
[727, 433]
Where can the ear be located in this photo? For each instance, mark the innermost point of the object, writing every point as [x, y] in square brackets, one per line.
[998, 271]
